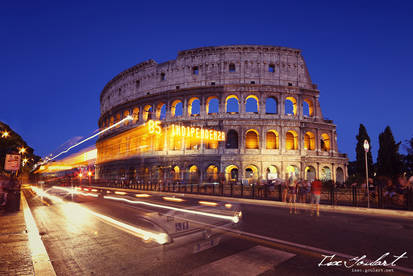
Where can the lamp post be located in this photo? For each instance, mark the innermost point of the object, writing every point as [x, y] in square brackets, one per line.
[366, 149]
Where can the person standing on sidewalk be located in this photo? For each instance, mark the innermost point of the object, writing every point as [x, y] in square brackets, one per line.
[315, 196]
[292, 194]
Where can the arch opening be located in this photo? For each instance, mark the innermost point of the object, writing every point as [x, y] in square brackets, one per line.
[309, 141]
[251, 104]
[325, 142]
[232, 104]
[290, 106]
[212, 105]
[291, 140]
[272, 140]
[232, 139]
[194, 107]
[271, 105]
[251, 139]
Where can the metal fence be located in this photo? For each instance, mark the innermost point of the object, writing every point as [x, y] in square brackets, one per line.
[330, 194]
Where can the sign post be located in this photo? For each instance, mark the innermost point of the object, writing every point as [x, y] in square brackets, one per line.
[12, 162]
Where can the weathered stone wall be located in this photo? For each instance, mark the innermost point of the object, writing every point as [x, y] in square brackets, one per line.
[251, 65]
[141, 86]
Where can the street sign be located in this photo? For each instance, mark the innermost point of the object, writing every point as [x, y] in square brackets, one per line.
[12, 162]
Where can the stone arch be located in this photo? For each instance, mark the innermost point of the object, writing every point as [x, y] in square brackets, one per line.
[147, 112]
[310, 173]
[290, 105]
[325, 143]
[194, 106]
[271, 105]
[232, 139]
[272, 172]
[292, 171]
[308, 107]
[126, 114]
[309, 141]
[251, 172]
[194, 174]
[252, 103]
[161, 111]
[232, 104]
[176, 172]
[325, 173]
[291, 140]
[212, 105]
[135, 115]
[177, 108]
[251, 139]
[231, 173]
[339, 175]
[212, 173]
[272, 140]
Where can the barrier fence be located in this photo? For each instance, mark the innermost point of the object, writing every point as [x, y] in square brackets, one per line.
[330, 194]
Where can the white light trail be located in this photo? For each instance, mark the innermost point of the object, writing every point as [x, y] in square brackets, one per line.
[159, 237]
[234, 219]
[127, 118]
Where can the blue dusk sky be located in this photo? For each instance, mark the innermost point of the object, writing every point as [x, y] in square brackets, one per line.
[56, 57]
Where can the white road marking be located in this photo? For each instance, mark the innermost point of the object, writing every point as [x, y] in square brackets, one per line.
[41, 261]
[253, 261]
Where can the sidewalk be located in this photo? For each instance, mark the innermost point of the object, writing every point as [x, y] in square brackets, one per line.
[22, 251]
[15, 254]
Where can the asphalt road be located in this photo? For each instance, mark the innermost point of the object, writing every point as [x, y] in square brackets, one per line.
[266, 241]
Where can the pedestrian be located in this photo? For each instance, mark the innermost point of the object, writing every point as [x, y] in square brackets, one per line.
[284, 187]
[315, 196]
[302, 190]
[292, 194]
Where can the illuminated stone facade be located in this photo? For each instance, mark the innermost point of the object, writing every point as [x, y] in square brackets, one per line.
[262, 97]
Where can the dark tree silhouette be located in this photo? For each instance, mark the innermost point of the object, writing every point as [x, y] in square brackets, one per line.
[388, 159]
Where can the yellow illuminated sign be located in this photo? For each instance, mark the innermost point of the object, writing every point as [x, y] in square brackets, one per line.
[154, 127]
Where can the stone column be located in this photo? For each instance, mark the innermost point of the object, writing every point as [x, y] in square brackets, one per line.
[185, 108]
[202, 107]
[242, 104]
[261, 105]
[282, 105]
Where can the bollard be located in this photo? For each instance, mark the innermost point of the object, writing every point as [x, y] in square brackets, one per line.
[242, 189]
[231, 187]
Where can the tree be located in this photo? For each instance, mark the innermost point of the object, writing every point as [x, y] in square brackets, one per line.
[360, 163]
[407, 159]
[11, 142]
[388, 159]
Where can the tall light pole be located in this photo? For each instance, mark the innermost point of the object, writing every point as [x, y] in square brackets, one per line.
[366, 149]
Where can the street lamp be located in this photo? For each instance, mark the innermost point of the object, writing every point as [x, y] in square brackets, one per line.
[5, 134]
[366, 149]
[22, 150]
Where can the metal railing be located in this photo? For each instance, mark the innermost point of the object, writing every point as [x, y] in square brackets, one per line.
[331, 195]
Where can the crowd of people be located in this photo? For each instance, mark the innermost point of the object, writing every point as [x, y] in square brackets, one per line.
[395, 191]
[295, 190]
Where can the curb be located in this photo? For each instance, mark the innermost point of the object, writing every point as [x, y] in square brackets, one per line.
[271, 203]
[41, 261]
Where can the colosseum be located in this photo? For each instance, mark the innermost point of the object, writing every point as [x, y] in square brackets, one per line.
[246, 112]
